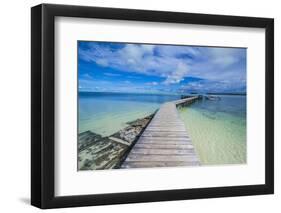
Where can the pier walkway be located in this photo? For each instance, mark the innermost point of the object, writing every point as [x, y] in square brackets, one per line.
[165, 141]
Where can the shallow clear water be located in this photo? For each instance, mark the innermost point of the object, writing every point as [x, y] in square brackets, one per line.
[107, 113]
[218, 129]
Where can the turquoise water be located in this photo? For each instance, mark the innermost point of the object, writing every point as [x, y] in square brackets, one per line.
[107, 113]
[218, 129]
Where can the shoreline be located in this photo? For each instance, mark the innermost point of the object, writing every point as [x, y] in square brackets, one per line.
[96, 152]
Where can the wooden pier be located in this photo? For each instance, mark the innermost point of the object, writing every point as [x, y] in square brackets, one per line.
[165, 141]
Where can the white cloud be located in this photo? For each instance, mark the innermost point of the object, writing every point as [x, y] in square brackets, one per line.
[224, 56]
[178, 75]
[173, 63]
[153, 83]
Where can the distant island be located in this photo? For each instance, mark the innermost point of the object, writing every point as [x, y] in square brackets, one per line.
[220, 93]
[229, 93]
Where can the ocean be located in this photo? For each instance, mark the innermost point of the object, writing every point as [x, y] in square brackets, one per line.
[217, 127]
[106, 113]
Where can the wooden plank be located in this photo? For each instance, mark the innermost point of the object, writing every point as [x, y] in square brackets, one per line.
[163, 151]
[165, 130]
[133, 164]
[163, 134]
[161, 158]
[118, 140]
[179, 143]
[165, 141]
[167, 127]
[163, 146]
[178, 140]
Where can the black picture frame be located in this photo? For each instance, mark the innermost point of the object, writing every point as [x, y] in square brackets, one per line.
[43, 101]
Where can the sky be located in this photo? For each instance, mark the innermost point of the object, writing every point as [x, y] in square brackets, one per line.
[146, 68]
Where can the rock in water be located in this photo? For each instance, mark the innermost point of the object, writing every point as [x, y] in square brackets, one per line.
[104, 154]
[96, 152]
[86, 139]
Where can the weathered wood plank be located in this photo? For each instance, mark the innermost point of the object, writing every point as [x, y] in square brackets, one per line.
[163, 146]
[162, 158]
[177, 140]
[119, 141]
[180, 146]
[163, 151]
[133, 164]
[165, 141]
[165, 134]
[165, 130]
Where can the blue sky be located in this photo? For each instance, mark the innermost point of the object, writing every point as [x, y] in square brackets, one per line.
[142, 68]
